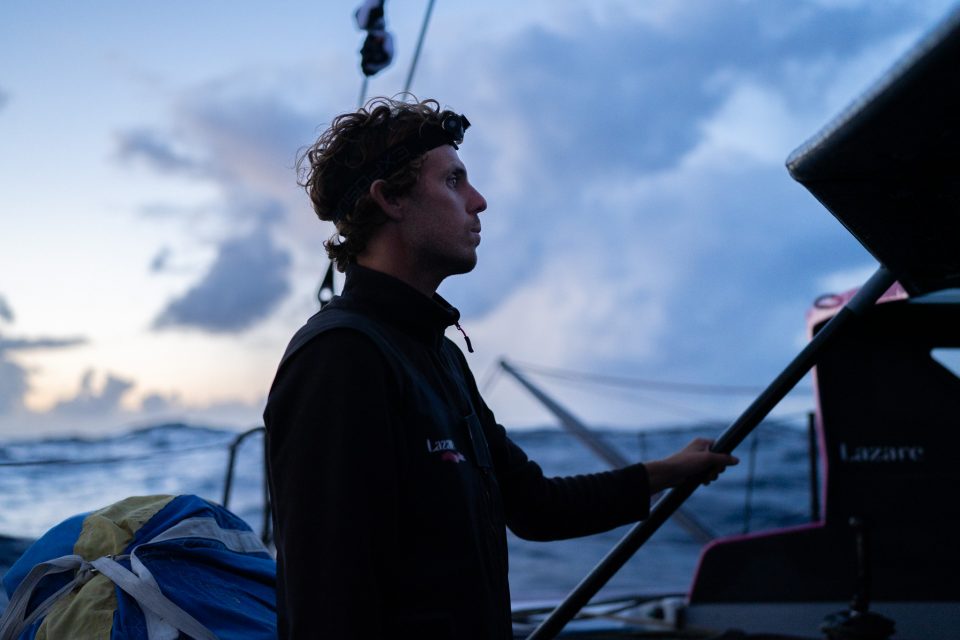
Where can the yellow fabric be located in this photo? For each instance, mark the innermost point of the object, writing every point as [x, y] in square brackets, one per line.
[87, 613]
[109, 530]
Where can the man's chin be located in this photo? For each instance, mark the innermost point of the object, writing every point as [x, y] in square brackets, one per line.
[451, 265]
[464, 266]
[472, 264]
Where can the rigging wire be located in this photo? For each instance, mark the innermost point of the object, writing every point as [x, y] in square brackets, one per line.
[624, 381]
[750, 482]
[416, 53]
[363, 91]
[648, 399]
[701, 419]
[492, 376]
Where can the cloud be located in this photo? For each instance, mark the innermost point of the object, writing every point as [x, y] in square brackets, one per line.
[648, 226]
[161, 260]
[24, 344]
[845, 279]
[156, 407]
[243, 142]
[157, 151]
[246, 281]
[573, 312]
[15, 378]
[157, 403]
[6, 312]
[633, 105]
[13, 386]
[90, 402]
[250, 138]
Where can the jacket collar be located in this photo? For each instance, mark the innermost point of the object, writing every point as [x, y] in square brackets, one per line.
[396, 303]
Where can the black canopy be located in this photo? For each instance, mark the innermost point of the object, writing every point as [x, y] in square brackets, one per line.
[889, 166]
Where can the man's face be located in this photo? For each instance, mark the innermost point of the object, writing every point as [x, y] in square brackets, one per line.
[441, 225]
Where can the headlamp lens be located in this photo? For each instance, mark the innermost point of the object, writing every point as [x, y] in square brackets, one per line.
[455, 125]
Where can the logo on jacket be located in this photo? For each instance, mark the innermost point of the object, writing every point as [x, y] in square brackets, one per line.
[447, 450]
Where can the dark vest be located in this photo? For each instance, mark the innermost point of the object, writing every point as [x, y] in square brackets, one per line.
[457, 562]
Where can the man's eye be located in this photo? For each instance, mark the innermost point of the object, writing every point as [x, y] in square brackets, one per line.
[452, 180]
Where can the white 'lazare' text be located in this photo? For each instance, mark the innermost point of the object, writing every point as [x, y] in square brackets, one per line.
[880, 453]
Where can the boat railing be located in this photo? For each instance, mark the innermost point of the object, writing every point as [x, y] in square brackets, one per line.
[266, 531]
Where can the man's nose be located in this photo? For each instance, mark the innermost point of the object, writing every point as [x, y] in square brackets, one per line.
[478, 203]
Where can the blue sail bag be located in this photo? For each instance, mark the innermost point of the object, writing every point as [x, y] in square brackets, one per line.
[144, 568]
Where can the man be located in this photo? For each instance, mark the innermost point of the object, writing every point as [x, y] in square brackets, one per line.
[391, 481]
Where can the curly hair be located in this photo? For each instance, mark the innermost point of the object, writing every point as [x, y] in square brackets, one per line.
[327, 170]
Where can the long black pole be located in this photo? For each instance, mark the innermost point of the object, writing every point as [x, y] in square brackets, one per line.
[726, 443]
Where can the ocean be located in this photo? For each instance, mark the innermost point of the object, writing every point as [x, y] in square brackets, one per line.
[47, 480]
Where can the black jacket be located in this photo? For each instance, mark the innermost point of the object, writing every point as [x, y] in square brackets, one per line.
[392, 483]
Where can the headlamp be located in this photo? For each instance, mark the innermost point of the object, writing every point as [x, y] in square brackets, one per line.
[455, 125]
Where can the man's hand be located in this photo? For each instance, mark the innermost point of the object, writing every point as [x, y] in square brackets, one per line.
[693, 461]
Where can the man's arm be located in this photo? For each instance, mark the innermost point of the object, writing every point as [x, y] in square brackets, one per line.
[333, 479]
[552, 508]
[544, 508]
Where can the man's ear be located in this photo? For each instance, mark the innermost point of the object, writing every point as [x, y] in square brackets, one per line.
[389, 204]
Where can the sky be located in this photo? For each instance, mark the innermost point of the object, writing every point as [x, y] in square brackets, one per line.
[156, 253]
